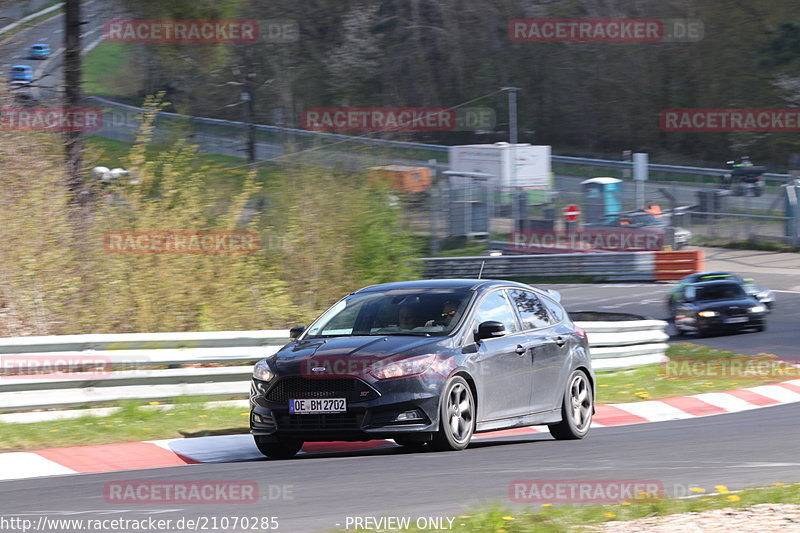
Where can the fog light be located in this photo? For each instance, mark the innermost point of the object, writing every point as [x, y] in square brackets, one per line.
[257, 418]
[405, 416]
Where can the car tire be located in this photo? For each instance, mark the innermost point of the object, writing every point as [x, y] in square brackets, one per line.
[456, 416]
[577, 407]
[280, 449]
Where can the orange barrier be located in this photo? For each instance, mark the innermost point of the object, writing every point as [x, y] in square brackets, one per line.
[671, 266]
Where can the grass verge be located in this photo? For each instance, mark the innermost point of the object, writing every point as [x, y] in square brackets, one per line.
[697, 369]
[188, 418]
[559, 519]
[34, 21]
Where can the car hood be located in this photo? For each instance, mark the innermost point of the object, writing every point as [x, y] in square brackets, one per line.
[359, 352]
[720, 305]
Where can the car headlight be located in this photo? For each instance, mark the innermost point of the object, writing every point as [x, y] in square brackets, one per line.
[261, 371]
[407, 367]
[707, 314]
[758, 309]
[764, 295]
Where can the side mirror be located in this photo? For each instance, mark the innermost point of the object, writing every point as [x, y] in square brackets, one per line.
[490, 329]
[296, 331]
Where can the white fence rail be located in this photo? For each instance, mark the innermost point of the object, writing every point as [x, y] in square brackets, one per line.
[161, 366]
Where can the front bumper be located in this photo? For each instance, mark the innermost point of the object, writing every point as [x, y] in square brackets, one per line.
[393, 407]
[724, 322]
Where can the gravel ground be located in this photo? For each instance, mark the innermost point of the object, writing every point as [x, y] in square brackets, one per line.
[765, 517]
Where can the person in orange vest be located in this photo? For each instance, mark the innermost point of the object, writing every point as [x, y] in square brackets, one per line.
[653, 209]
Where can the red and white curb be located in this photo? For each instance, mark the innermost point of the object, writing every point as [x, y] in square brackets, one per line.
[236, 448]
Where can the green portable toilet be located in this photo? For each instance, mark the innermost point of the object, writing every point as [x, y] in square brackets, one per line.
[601, 197]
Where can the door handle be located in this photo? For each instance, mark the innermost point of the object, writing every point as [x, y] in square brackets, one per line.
[521, 349]
[561, 341]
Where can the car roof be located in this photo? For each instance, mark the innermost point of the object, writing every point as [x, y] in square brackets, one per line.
[715, 282]
[454, 284]
[697, 275]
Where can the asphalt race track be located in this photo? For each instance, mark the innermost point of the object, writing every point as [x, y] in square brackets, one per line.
[317, 492]
[781, 338]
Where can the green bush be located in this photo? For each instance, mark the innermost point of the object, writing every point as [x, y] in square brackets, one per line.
[323, 233]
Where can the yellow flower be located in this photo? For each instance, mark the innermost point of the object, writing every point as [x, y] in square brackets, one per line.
[603, 385]
[155, 403]
[202, 424]
[464, 516]
[778, 484]
[610, 515]
[641, 388]
[625, 503]
[244, 414]
[170, 414]
[720, 487]
[148, 429]
[509, 518]
[202, 416]
[547, 505]
[54, 431]
[733, 498]
[630, 384]
[697, 489]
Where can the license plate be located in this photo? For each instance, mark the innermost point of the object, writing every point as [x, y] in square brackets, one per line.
[736, 320]
[309, 406]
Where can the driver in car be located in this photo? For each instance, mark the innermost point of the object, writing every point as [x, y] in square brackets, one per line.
[448, 312]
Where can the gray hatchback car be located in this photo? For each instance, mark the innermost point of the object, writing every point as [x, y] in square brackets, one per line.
[428, 364]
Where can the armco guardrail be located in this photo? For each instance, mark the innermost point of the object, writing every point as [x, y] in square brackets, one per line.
[614, 266]
[132, 366]
[619, 340]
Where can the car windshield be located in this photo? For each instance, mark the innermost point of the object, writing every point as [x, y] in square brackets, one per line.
[720, 292]
[393, 312]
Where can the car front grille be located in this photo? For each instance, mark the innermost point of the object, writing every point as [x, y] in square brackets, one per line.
[734, 311]
[296, 387]
[332, 422]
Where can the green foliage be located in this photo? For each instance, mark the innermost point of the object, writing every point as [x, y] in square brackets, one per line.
[321, 235]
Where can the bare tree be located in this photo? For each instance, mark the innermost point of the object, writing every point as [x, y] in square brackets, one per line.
[72, 93]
